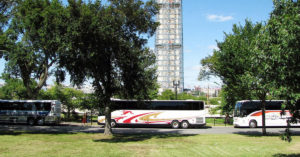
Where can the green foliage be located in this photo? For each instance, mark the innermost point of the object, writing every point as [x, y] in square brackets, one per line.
[232, 61]
[69, 97]
[257, 60]
[13, 89]
[32, 41]
[106, 44]
[6, 7]
[214, 101]
[166, 95]
[170, 95]
[89, 102]
[282, 52]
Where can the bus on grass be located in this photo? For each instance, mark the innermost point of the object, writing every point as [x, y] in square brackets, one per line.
[174, 113]
[248, 113]
[30, 111]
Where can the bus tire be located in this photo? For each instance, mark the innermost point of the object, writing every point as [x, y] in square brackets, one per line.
[41, 121]
[113, 123]
[175, 124]
[30, 121]
[185, 124]
[253, 124]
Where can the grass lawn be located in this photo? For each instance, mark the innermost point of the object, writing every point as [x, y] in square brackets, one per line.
[97, 145]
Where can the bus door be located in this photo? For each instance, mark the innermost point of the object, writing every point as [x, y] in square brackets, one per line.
[27, 110]
[14, 113]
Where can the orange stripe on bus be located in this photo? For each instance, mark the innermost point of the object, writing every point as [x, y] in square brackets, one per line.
[260, 113]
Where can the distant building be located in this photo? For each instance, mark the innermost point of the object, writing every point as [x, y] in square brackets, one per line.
[211, 92]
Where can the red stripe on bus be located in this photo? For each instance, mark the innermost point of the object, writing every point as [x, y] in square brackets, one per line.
[118, 118]
[129, 119]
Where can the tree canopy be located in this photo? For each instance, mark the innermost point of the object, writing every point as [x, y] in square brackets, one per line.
[106, 44]
[260, 60]
[231, 63]
[32, 42]
[282, 38]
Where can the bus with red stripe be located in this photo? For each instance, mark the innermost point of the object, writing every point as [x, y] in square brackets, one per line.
[175, 113]
[248, 113]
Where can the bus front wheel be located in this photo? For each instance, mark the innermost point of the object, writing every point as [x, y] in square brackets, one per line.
[30, 121]
[252, 124]
[41, 121]
[175, 124]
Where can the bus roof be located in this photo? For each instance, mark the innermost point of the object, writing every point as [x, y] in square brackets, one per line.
[241, 101]
[158, 100]
[28, 100]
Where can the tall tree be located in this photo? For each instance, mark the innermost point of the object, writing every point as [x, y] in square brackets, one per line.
[33, 38]
[242, 66]
[107, 46]
[280, 46]
[231, 62]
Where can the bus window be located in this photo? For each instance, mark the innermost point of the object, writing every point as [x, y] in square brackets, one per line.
[248, 107]
[5, 106]
[237, 109]
[26, 106]
[275, 105]
[43, 106]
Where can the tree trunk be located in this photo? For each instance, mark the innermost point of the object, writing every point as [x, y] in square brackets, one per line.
[107, 130]
[68, 114]
[263, 110]
[91, 118]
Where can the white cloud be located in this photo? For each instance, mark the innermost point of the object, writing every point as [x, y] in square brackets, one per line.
[218, 18]
[187, 51]
[213, 47]
[196, 68]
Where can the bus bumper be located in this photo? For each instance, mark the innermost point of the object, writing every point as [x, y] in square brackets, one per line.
[100, 123]
[198, 125]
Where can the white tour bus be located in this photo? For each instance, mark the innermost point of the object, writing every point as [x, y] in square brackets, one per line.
[175, 113]
[30, 111]
[248, 113]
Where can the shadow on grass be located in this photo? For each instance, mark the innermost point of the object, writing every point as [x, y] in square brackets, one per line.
[286, 155]
[123, 138]
[160, 126]
[17, 129]
[17, 133]
[12, 129]
[259, 133]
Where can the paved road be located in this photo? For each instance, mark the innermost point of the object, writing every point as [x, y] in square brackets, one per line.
[71, 128]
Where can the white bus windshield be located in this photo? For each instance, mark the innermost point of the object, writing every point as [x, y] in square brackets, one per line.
[243, 109]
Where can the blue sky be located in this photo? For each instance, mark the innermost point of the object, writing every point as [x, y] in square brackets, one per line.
[204, 22]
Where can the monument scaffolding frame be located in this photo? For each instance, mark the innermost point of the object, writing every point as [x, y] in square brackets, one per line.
[169, 45]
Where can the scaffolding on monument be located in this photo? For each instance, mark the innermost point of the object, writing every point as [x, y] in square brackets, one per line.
[169, 44]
